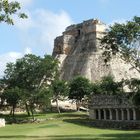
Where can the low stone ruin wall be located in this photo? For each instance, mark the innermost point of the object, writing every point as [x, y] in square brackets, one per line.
[2, 122]
[126, 125]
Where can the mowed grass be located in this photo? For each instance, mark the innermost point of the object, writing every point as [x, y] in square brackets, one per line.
[63, 127]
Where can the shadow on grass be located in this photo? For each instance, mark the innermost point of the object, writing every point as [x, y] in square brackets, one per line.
[80, 121]
[72, 115]
[98, 124]
[135, 136]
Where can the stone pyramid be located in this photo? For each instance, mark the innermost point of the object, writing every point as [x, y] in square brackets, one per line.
[79, 52]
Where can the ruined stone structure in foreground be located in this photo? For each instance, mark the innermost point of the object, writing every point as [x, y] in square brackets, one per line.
[118, 110]
[107, 107]
[78, 50]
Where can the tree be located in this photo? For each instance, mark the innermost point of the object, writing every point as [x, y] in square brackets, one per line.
[2, 88]
[12, 97]
[79, 87]
[134, 86]
[44, 98]
[107, 86]
[60, 90]
[96, 88]
[8, 9]
[123, 40]
[31, 74]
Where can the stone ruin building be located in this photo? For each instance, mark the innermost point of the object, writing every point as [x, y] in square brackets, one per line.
[79, 52]
[119, 110]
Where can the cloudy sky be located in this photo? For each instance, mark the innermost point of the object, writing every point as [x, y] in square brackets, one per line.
[48, 19]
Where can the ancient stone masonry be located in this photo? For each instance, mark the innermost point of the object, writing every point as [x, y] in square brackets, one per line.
[79, 53]
[115, 111]
[114, 108]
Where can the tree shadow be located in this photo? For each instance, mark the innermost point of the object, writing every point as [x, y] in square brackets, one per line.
[123, 136]
[71, 115]
[119, 136]
[81, 121]
[95, 124]
[55, 137]
[18, 117]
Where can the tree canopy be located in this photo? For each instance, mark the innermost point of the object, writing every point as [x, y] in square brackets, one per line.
[33, 76]
[8, 9]
[107, 86]
[60, 90]
[79, 88]
[123, 39]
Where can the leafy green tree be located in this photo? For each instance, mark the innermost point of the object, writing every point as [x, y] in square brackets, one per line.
[12, 97]
[134, 86]
[2, 88]
[60, 90]
[79, 87]
[44, 99]
[107, 86]
[96, 88]
[122, 39]
[31, 74]
[8, 9]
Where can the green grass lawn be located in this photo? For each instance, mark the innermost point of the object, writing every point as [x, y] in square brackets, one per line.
[63, 127]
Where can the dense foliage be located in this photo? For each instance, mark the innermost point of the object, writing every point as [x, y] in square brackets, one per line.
[79, 88]
[107, 86]
[60, 90]
[123, 39]
[33, 75]
[8, 9]
[134, 86]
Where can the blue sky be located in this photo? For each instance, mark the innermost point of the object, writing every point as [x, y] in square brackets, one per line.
[48, 19]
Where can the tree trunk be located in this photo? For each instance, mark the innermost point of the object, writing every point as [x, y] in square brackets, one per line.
[13, 111]
[78, 105]
[32, 112]
[27, 109]
[58, 109]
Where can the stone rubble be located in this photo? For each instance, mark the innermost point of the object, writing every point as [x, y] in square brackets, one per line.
[2, 122]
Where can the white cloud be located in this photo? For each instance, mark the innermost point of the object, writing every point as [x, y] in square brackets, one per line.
[14, 55]
[51, 26]
[28, 51]
[11, 57]
[24, 3]
[41, 28]
[6, 58]
[37, 32]
[117, 21]
[24, 24]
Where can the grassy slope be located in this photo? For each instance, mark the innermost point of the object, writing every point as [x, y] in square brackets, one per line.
[63, 129]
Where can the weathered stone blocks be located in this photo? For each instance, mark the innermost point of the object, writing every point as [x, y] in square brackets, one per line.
[2, 122]
[83, 54]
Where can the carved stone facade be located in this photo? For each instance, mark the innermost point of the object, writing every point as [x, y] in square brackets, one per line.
[114, 108]
[78, 50]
